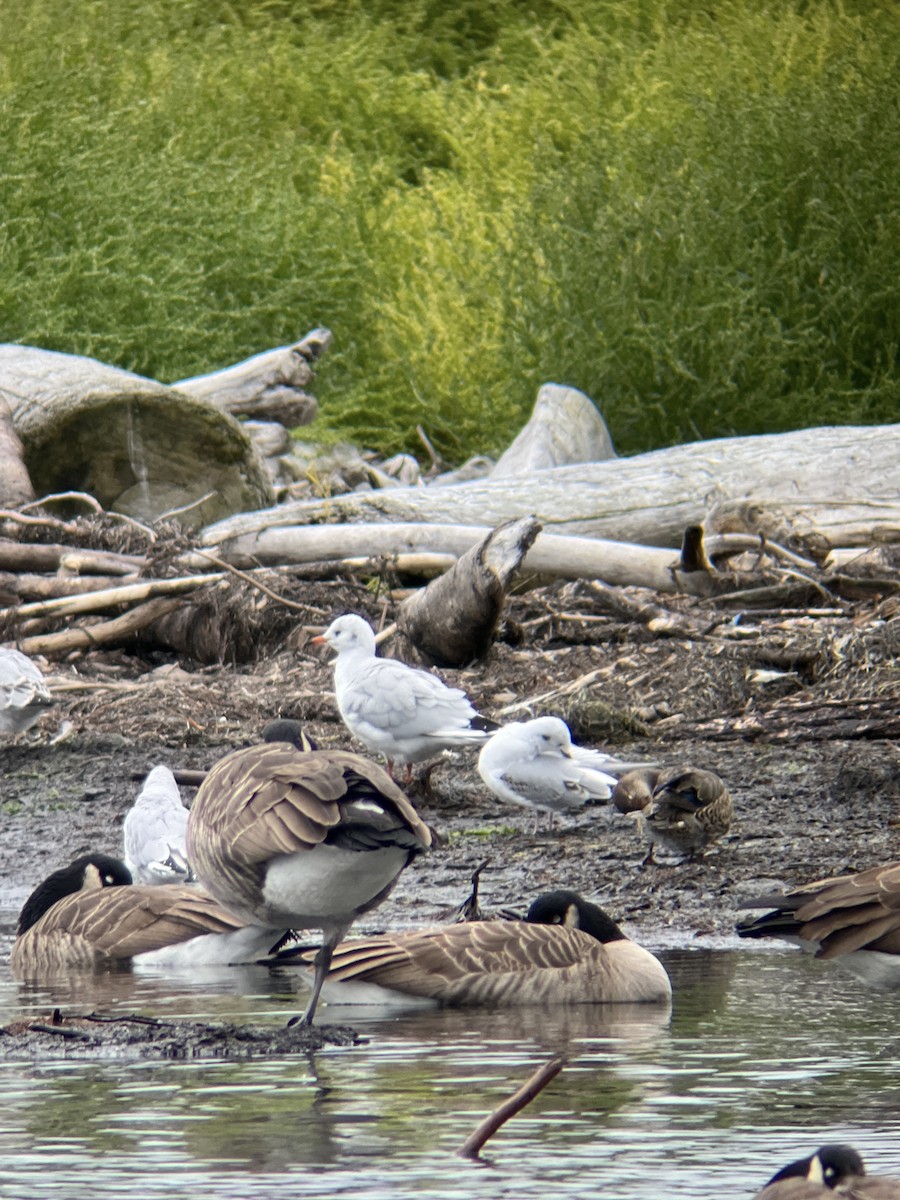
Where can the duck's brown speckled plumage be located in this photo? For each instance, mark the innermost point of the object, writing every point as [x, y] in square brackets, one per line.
[690, 810]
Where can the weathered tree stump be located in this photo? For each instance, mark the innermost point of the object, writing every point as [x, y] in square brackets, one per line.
[453, 620]
[138, 447]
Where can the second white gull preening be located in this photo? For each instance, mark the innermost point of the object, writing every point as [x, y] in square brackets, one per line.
[536, 765]
[402, 712]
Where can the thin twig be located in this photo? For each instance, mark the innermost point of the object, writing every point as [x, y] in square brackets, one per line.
[177, 512]
[273, 595]
[471, 1147]
[95, 506]
[574, 685]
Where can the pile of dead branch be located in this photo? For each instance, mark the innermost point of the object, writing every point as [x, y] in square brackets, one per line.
[779, 644]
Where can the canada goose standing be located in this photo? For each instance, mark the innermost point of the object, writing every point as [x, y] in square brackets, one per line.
[690, 810]
[536, 765]
[154, 831]
[567, 950]
[293, 840]
[402, 712]
[850, 919]
[89, 915]
[834, 1170]
[23, 692]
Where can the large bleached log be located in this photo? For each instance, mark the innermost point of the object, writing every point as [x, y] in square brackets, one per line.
[649, 499]
[453, 620]
[138, 447]
[560, 557]
[268, 386]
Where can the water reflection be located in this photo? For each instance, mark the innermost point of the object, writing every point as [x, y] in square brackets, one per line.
[763, 1056]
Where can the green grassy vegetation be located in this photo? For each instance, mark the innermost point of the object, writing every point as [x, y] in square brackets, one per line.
[688, 211]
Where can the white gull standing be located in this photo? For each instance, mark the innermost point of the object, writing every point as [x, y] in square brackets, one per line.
[23, 692]
[402, 712]
[535, 764]
[155, 829]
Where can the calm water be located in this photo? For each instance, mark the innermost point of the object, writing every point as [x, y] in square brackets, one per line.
[766, 1055]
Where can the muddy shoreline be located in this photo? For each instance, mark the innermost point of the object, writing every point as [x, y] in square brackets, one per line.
[818, 796]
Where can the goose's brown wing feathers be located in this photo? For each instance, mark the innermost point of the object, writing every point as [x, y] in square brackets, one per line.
[477, 962]
[843, 914]
[115, 924]
[852, 912]
[273, 799]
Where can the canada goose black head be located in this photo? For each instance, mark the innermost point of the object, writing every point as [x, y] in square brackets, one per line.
[88, 873]
[833, 1168]
[568, 908]
[286, 729]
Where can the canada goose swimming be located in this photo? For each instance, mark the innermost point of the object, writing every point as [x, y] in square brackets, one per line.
[89, 915]
[23, 692]
[850, 919]
[402, 712]
[154, 832]
[536, 765]
[293, 840]
[690, 810]
[832, 1170]
[566, 951]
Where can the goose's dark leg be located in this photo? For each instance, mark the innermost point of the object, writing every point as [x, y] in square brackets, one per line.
[322, 964]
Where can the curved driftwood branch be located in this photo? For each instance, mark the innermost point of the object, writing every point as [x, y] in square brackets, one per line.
[268, 386]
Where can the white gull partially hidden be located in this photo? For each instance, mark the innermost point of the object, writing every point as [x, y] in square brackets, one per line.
[535, 764]
[23, 692]
[154, 831]
[402, 712]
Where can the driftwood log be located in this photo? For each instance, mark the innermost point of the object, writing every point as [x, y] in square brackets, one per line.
[138, 447]
[839, 481]
[15, 485]
[420, 545]
[453, 620]
[565, 427]
[269, 386]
